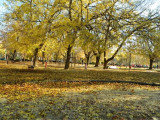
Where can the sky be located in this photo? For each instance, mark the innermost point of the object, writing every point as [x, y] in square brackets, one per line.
[156, 4]
[2, 9]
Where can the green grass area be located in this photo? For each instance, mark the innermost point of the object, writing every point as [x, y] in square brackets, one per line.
[32, 94]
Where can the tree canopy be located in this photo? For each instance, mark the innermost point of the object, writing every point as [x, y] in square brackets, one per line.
[59, 26]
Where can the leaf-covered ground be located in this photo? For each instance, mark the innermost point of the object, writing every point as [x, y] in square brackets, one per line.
[31, 94]
[14, 76]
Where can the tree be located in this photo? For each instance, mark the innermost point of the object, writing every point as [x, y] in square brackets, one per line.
[120, 20]
[100, 24]
[98, 47]
[32, 23]
[86, 43]
[149, 43]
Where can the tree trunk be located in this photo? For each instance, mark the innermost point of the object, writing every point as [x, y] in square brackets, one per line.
[130, 58]
[98, 56]
[43, 57]
[105, 62]
[56, 59]
[7, 58]
[97, 61]
[111, 58]
[87, 57]
[68, 57]
[36, 54]
[24, 57]
[35, 57]
[151, 64]
[14, 55]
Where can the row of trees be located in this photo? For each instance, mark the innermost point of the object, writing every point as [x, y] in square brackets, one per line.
[95, 26]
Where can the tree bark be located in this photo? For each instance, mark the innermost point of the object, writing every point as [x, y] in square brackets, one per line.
[130, 58]
[14, 55]
[69, 49]
[36, 54]
[57, 55]
[56, 59]
[87, 55]
[98, 56]
[43, 57]
[35, 57]
[105, 62]
[97, 61]
[70, 10]
[24, 57]
[151, 64]
[68, 57]
[7, 59]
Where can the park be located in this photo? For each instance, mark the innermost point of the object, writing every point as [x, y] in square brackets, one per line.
[80, 60]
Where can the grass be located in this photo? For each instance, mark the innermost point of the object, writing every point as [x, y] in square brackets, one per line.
[17, 75]
[31, 94]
